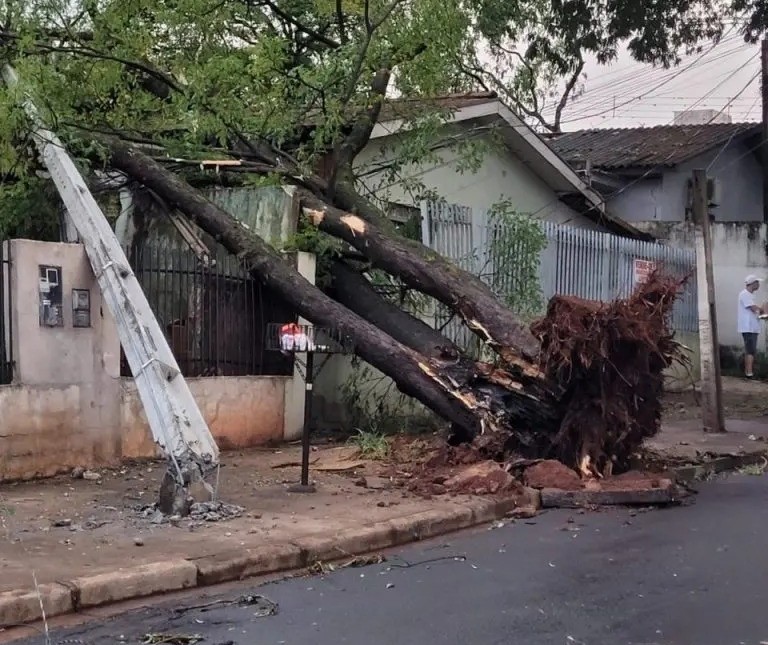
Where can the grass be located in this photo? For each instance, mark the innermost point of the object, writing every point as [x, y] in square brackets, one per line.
[754, 469]
[372, 445]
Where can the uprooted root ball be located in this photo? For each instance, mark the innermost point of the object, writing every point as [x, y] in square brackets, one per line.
[609, 358]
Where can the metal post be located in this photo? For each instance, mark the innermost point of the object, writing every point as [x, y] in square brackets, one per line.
[305, 486]
[764, 147]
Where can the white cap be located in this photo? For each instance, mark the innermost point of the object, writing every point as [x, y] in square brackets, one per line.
[751, 279]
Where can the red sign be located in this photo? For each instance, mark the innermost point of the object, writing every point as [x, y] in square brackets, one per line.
[642, 270]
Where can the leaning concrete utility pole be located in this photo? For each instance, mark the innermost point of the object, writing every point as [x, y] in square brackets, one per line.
[177, 425]
[711, 380]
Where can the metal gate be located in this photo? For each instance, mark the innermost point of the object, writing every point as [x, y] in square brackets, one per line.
[6, 322]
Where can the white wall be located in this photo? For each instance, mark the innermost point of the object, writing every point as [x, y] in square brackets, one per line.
[738, 249]
[501, 176]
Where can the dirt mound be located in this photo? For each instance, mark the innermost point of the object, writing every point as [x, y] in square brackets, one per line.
[552, 474]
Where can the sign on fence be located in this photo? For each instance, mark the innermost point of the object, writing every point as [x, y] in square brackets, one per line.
[641, 270]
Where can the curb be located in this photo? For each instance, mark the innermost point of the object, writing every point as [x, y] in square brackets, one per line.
[26, 605]
[696, 472]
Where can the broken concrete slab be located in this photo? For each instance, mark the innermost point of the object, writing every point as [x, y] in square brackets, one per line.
[616, 493]
[485, 477]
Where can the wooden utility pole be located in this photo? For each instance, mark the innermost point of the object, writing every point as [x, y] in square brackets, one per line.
[711, 383]
[764, 146]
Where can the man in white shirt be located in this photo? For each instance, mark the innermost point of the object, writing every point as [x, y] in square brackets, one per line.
[749, 323]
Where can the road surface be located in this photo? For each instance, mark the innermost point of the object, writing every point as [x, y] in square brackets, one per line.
[695, 575]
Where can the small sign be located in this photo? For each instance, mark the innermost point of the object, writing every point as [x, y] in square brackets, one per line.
[641, 270]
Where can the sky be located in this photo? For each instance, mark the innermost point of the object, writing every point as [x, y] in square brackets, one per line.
[629, 94]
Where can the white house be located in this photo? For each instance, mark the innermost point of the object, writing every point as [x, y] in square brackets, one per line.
[518, 165]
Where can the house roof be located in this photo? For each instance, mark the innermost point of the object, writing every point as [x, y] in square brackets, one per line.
[521, 140]
[401, 108]
[664, 146]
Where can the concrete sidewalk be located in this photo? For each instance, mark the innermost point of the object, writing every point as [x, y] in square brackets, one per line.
[88, 542]
[685, 440]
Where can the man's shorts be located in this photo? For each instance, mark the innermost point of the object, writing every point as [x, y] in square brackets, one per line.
[750, 344]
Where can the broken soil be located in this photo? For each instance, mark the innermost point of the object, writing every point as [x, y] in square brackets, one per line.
[552, 474]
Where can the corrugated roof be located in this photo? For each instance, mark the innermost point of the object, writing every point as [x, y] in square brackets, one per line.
[666, 145]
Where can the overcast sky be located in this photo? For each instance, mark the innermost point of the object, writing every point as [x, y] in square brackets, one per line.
[628, 94]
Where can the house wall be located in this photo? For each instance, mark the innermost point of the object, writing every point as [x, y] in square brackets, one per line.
[68, 406]
[501, 175]
[241, 412]
[663, 199]
[64, 406]
[738, 249]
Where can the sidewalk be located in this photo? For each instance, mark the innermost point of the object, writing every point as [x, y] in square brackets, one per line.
[685, 440]
[88, 541]
[94, 540]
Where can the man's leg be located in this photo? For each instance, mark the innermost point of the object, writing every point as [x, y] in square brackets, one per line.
[750, 349]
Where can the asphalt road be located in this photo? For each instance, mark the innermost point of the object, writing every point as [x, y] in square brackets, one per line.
[694, 575]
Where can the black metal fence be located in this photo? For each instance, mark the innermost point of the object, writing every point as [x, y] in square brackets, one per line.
[6, 322]
[215, 315]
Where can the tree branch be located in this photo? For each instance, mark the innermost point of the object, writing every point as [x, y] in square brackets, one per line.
[341, 22]
[566, 96]
[300, 26]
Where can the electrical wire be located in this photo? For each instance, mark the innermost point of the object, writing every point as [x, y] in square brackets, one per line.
[616, 89]
[649, 92]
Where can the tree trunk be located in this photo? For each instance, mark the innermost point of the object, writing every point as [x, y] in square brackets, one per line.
[473, 397]
[432, 274]
[355, 292]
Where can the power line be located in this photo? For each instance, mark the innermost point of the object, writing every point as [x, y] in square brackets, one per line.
[666, 81]
[615, 90]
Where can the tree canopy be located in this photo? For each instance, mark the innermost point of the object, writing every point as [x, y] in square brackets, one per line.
[307, 76]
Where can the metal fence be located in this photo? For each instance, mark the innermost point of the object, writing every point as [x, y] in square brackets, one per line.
[214, 313]
[575, 261]
[6, 322]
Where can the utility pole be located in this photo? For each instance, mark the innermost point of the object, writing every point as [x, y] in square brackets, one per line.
[711, 382]
[174, 417]
[764, 142]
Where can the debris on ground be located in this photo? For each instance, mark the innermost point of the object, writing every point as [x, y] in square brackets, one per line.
[171, 639]
[262, 605]
[483, 478]
[198, 512]
[322, 568]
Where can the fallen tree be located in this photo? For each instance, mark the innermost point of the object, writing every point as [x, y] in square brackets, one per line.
[445, 382]
[588, 398]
